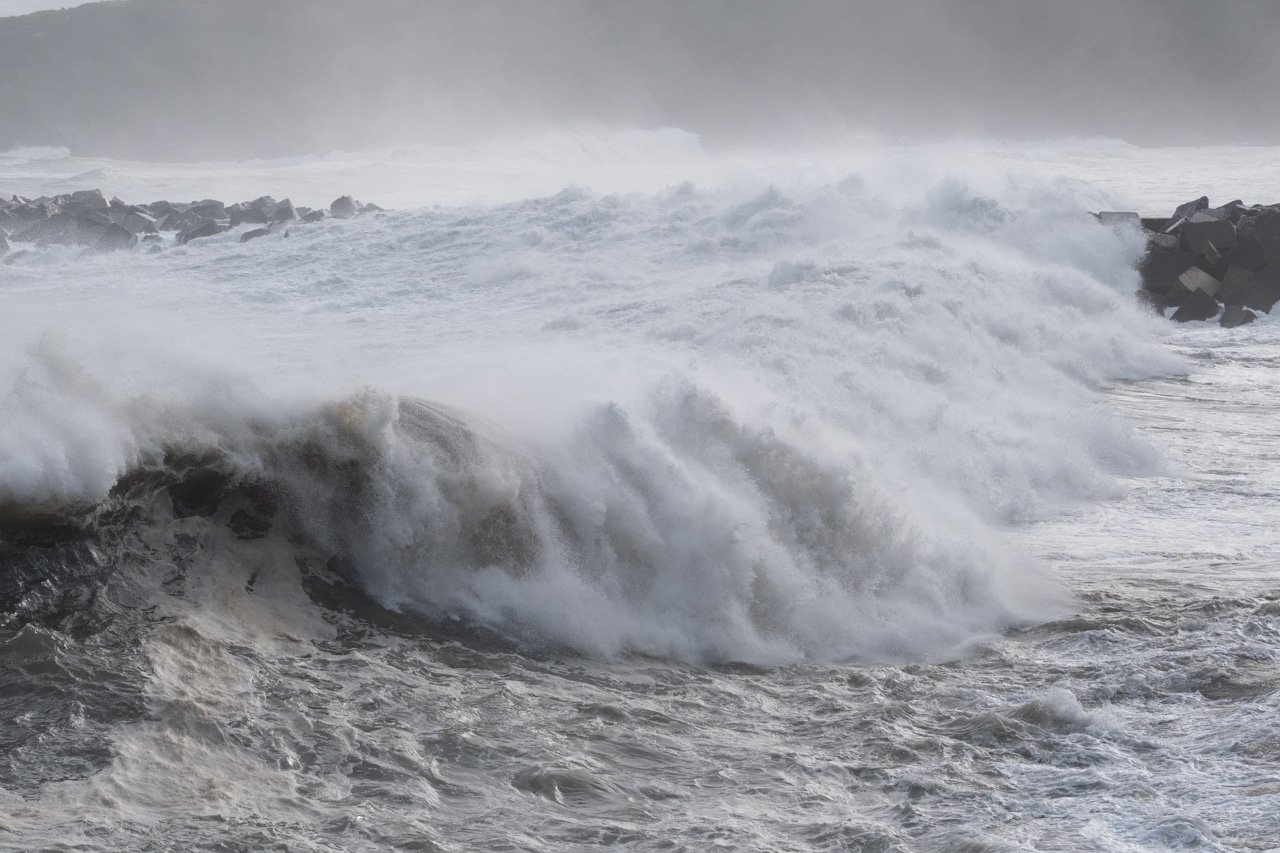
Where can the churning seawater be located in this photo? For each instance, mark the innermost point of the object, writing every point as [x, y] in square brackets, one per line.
[737, 503]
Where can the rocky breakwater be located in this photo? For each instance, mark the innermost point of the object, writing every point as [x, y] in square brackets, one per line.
[1208, 262]
[87, 219]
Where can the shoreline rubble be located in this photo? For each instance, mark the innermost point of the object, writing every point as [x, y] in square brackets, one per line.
[87, 219]
[1208, 262]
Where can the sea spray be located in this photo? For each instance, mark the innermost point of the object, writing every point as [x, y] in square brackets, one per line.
[761, 423]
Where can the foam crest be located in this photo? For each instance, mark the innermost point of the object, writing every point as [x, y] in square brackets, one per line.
[747, 422]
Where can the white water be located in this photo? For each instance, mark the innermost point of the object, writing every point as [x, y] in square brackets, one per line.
[848, 406]
[774, 420]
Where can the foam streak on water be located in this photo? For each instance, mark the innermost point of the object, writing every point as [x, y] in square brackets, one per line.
[783, 510]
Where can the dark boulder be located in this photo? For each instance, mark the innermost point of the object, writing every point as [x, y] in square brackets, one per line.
[312, 217]
[1186, 210]
[1266, 227]
[1249, 254]
[1272, 255]
[1232, 211]
[1256, 295]
[1235, 280]
[1196, 235]
[1160, 269]
[1234, 315]
[1198, 306]
[254, 234]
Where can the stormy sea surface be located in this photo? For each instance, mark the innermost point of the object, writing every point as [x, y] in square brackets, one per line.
[609, 491]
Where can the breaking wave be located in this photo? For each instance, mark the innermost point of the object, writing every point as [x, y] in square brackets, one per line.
[765, 426]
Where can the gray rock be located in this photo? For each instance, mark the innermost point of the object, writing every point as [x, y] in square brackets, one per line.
[1235, 280]
[1234, 315]
[1160, 269]
[59, 229]
[1195, 235]
[180, 221]
[161, 209]
[254, 234]
[1272, 255]
[1186, 210]
[283, 212]
[243, 213]
[93, 198]
[1249, 254]
[209, 209]
[206, 228]
[1232, 211]
[1196, 279]
[1266, 227]
[312, 217]
[344, 208]
[1199, 306]
[112, 237]
[91, 229]
[138, 222]
[1257, 294]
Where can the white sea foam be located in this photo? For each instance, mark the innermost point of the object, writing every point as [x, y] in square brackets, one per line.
[787, 415]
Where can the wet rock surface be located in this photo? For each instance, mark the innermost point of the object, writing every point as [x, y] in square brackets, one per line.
[1205, 262]
[87, 219]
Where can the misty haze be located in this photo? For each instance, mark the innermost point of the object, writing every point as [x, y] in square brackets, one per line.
[190, 79]
[662, 425]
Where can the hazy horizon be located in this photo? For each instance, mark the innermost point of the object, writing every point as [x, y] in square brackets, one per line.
[198, 78]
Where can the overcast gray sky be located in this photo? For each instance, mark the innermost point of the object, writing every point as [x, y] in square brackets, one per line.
[237, 78]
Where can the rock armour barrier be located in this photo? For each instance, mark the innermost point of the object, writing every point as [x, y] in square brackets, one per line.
[87, 219]
[1206, 262]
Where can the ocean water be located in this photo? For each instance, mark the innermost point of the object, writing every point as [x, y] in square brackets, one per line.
[610, 491]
